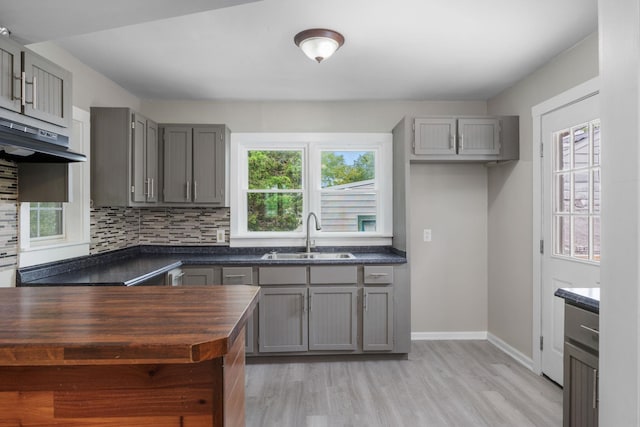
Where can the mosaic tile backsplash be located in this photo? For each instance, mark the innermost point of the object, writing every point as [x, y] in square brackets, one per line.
[117, 228]
[8, 215]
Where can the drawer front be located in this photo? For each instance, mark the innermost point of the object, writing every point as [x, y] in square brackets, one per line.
[382, 274]
[339, 274]
[282, 275]
[582, 326]
[237, 275]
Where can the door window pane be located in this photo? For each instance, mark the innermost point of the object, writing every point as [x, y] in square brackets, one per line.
[577, 192]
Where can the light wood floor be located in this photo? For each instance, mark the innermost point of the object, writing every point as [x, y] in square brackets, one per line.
[444, 383]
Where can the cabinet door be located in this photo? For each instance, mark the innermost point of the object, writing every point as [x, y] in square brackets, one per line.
[283, 320]
[435, 136]
[580, 388]
[177, 164]
[208, 165]
[151, 161]
[478, 136]
[333, 318]
[48, 90]
[10, 90]
[198, 276]
[377, 319]
[139, 186]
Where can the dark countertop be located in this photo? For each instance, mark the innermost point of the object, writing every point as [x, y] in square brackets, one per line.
[586, 298]
[135, 265]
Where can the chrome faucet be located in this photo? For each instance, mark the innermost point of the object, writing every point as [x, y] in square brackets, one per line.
[311, 214]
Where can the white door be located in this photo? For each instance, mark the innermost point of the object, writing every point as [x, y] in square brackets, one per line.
[570, 216]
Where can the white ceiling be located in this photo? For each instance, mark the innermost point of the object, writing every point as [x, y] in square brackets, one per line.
[244, 50]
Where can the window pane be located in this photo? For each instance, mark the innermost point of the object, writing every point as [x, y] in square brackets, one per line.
[581, 192]
[563, 235]
[581, 237]
[596, 238]
[348, 211]
[581, 147]
[563, 193]
[347, 169]
[270, 170]
[596, 144]
[274, 211]
[563, 151]
[33, 223]
[596, 191]
[45, 219]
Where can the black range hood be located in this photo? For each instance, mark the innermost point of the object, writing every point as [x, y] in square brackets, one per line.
[22, 143]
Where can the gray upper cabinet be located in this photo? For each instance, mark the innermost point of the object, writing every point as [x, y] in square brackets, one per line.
[333, 318]
[34, 86]
[194, 164]
[465, 139]
[124, 158]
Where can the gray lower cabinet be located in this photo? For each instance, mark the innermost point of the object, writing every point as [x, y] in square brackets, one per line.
[124, 158]
[581, 373]
[466, 138]
[283, 319]
[333, 318]
[194, 164]
[377, 319]
[198, 276]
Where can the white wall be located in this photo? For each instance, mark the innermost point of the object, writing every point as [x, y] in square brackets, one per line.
[619, 273]
[365, 116]
[448, 274]
[510, 203]
[90, 88]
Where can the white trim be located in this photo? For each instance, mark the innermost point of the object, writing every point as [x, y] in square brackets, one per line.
[8, 278]
[517, 355]
[570, 96]
[440, 336]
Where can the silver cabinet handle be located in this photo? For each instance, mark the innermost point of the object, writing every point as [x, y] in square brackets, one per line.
[366, 301]
[310, 303]
[152, 188]
[146, 187]
[234, 276]
[23, 88]
[35, 92]
[33, 83]
[461, 141]
[593, 331]
[378, 274]
[452, 141]
[195, 190]
[304, 303]
[13, 88]
[595, 389]
[188, 190]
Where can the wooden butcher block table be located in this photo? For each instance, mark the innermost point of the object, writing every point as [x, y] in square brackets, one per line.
[123, 356]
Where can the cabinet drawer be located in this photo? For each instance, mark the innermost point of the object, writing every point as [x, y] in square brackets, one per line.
[282, 275]
[581, 326]
[333, 274]
[237, 275]
[378, 274]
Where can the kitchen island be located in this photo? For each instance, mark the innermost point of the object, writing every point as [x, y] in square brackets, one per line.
[123, 356]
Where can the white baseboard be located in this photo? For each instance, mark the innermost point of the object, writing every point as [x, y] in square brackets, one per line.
[517, 355]
[434, 336]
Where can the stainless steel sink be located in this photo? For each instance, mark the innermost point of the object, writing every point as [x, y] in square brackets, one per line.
[309, 255]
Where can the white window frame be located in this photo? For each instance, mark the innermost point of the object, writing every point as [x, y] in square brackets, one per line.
[76, 239]
[312, 144]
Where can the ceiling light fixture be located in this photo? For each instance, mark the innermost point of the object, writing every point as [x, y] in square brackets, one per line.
[319, 43]
[4, 31]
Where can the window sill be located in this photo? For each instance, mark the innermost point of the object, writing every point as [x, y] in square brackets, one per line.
[50, 253]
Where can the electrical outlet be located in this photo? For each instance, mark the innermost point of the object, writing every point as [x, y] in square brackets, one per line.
[426, 236]
[220, 235]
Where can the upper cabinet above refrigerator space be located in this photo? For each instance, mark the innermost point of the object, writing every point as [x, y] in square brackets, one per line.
[464, 139]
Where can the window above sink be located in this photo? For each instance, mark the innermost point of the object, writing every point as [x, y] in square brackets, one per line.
[346, 179]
